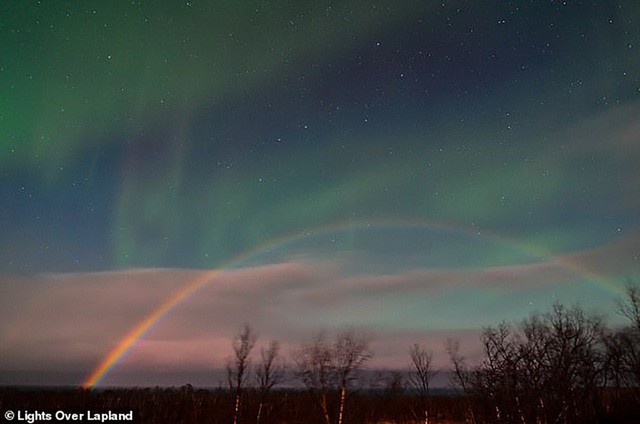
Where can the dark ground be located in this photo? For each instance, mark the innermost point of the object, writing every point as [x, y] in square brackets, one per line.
[188, 405]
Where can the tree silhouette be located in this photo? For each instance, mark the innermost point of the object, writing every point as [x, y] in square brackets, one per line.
[322, 366]
[419, 377]
[238, 366]
[350, 352]
[623, 346]
[461, 375]
[269, 373]
[313, 367]
[548, 370]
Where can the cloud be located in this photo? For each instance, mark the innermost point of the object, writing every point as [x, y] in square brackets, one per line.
[81, 316]
[56, 322]
[617, 258]
[615, 131]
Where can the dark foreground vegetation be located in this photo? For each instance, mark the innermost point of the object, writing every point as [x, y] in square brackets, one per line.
[562, 366]
[188, 405]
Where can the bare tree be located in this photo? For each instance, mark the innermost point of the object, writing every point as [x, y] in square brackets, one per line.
[350, 352]
[623, 346]
[573, 362]
[629, 307]
[550, 369]
[461, 376]
[269, 373]
[496, 379]
[322, 366]
[314, 368]
[420, 375]
[238, 366]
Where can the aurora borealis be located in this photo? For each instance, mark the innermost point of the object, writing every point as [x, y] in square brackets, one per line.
[418, 168]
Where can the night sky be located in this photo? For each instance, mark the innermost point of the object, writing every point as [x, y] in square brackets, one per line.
[419, 169]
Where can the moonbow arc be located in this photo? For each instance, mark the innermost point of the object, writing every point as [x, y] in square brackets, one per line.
[126, 343]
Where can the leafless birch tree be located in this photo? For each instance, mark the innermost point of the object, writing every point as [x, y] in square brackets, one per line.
[623, 346]
[461, 374]
[550, 369]
[350, 352]
[238, 366]
[269, 373]
[420, 374]
[313, 367]
[321, 366]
